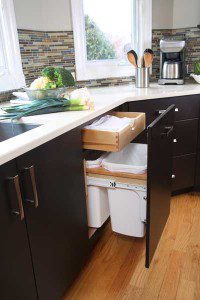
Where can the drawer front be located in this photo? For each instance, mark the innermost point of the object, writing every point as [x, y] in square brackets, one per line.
[184, 171]
[187, 107]
[185, 137]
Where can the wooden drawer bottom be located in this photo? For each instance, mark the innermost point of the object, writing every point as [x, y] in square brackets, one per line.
[184, 171]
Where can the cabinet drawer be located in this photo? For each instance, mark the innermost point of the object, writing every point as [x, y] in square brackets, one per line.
[184, 171]
[114, 141]
[185, 137]
[186, 107]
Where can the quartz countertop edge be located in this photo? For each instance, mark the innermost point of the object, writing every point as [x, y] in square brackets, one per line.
[106, 99]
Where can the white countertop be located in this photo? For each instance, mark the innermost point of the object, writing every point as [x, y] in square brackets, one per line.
[53, 125]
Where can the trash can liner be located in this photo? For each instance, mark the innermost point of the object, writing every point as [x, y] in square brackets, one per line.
[111, 123]
[132, 159]
[90, 164]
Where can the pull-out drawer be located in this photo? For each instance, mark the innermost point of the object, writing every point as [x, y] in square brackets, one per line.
[158, 181]
[185, 137]
[114, 140]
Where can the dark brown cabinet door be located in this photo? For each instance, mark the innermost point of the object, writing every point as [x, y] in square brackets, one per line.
[183, 172]
[185, 137]
[160, 144]
[16, 276]
[52, 181]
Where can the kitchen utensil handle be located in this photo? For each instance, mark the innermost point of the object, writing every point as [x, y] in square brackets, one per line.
[31, 172]
[169, 130]
[17, 206]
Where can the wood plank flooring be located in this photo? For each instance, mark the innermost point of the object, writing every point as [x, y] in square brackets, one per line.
[116, 268]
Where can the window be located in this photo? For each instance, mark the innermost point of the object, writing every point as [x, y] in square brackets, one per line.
[11, 74]
[104, 30]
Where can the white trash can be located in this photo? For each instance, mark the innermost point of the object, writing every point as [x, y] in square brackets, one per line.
[126, 198]
[97, 205]
[127, 204]
[128, 209]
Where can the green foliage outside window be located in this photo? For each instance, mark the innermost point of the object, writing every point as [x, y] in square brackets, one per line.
[98, 45]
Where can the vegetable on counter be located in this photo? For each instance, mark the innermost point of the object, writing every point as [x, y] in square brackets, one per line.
[40, 83]
[16, 112]
[78, 100]
[53, 78]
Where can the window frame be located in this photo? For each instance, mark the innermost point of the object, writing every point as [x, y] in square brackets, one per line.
[101, 69]
[11, 77]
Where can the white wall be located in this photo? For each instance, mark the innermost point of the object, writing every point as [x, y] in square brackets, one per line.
[49, 15]
[55, 15]
[173, 14]
[186, 13]
[162, 14]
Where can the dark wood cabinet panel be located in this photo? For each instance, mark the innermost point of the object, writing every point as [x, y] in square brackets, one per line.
[57, 228]
[197, 172]
[16, 276]
[185, 137]
[186, 107]
[184, 171]
[160, 144]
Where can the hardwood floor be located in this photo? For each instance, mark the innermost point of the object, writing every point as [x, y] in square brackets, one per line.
[116, 268]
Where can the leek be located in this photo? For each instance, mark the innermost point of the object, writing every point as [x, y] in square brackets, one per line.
[16, 112]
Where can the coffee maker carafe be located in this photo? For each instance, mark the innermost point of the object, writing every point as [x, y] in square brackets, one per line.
[172, 61]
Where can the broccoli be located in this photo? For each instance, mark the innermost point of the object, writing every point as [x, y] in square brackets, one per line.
[59, 77]
[63, 77]
[49, 73]
[50, 85]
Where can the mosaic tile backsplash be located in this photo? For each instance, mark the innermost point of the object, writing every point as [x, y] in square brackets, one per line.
[40, 49]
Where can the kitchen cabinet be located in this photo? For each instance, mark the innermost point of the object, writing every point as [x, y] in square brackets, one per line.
[44, 248]
[17, 276]
[186, 138]
[52, 181]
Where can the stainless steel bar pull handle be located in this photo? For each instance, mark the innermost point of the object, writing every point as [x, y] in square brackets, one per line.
[160, 112]
[164, 110]
[16, 197]
[31, 173]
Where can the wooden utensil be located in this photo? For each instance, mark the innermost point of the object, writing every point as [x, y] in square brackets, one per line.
[149, 51]
[133, 58]
[148, 58]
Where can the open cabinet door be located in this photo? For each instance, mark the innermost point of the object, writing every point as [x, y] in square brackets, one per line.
[160, 143]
